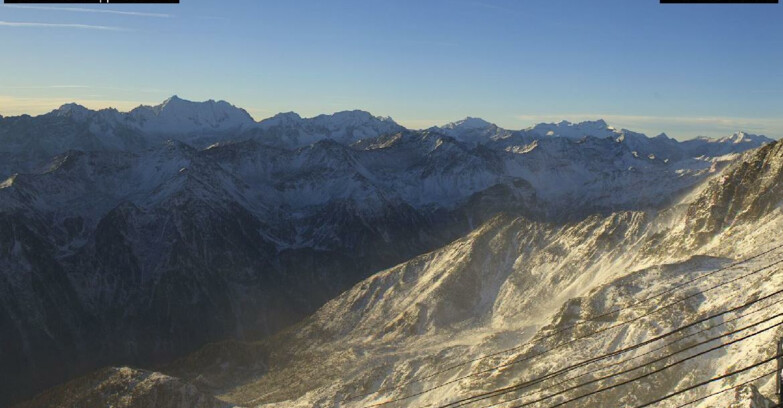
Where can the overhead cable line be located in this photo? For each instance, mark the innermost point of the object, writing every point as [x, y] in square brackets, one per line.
[711, 380]
[575, 340]
[563, 329]
[658, 359]
[678, 362]
[736, 387]
[529, 383]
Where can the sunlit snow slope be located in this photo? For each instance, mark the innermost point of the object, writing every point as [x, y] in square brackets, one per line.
[516, 300]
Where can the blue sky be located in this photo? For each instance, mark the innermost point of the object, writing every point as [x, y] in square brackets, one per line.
[686, 70]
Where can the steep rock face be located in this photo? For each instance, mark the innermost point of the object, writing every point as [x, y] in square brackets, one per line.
[41, 317]
[142, 285]
[746, 192]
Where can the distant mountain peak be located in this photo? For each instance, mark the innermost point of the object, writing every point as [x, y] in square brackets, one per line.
[346, 127]
[468, 123]
[472, 130]
[177, 103]
[71, 108]
[177, 115]
[596, 123]
[282, 119]
[353, 118]
[596, 128]
[172, 99]
[290, 114]
[740, 136]
[356, 115]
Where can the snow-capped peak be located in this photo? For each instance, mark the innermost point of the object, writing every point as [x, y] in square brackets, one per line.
[742, 137]
[282, 119]
[177, 115]
[346, 127]
[473, 131]
[350, 118]
[597, 128]
[73, 110]
[600, 124]
[173, 100]
[468, 123]
[739, 136]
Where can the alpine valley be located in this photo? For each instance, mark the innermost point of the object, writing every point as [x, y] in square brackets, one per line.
[185, 255]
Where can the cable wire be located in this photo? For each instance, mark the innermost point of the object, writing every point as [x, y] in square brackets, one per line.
[527, 358]
[529, 383]
[613, 386]
[711, 380]
[736, 387]
[563, 329]
[666, 357]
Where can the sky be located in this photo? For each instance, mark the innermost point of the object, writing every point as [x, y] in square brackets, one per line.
[686, 70]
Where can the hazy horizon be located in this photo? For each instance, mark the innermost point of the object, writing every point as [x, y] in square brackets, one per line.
[551, 119]
[686, 70]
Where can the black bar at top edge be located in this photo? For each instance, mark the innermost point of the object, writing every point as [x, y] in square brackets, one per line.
[91, 2]
[719, 1]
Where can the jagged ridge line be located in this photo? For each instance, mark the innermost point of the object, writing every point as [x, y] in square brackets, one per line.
[563, 329]
[527, 358]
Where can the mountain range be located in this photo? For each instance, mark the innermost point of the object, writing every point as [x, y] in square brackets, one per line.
[343, 246]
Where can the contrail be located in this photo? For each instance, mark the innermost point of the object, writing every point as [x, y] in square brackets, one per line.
[88, 10]
[56, 25]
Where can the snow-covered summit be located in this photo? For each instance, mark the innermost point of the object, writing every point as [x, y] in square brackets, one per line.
[468, 123]
[180, 116]
[597, 128]
[351, 118]
[345, 127]
[472, 131]
[282, 119]
[202, 124]
[72, 110]
[743, 137]
[739, 141]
